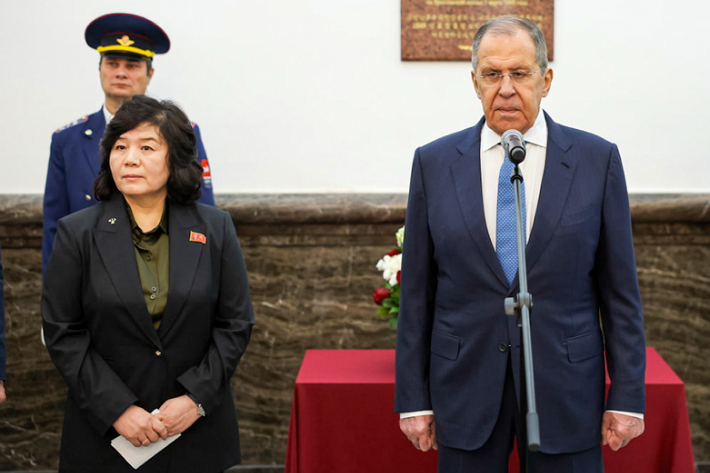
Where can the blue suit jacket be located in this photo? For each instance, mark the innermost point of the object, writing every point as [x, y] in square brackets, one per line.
[581, 264]
[74, 163]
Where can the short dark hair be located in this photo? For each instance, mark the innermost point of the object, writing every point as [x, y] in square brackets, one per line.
[175, 128]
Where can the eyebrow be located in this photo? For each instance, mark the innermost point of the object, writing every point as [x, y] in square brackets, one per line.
[150, 138]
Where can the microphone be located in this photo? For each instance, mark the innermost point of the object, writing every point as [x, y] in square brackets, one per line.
[514, 146]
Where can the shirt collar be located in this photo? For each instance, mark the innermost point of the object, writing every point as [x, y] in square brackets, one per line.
[107, 115]
[536, 135]
[162, 226]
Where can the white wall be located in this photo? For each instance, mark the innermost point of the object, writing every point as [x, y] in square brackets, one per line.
[311, 95]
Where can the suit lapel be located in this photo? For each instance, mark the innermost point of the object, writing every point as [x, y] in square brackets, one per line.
[93, 131]
[466, 173]
[115, 244]
[560, 166]
[184, 258]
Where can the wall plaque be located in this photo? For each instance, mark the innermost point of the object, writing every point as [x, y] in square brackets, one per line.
[443, 30]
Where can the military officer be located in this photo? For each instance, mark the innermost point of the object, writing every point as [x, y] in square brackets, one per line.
[127, 44]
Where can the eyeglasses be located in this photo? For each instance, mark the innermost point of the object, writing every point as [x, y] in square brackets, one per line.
[491, 79]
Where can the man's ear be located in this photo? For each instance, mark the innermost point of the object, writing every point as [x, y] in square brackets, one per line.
[548, 82]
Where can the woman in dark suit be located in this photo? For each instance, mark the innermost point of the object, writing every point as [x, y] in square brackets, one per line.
[146, 305]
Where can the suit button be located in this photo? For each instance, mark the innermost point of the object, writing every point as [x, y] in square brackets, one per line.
[158, 353]
[503, 347]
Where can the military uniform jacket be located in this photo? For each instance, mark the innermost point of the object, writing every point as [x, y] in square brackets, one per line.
[74, 162]
[101, 338]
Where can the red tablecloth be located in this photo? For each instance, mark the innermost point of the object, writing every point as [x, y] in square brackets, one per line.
[342, 420]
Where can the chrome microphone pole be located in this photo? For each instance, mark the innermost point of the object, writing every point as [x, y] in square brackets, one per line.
[521, 306]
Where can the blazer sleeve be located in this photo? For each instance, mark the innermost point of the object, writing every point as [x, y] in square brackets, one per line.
[231, 327]
[94, 386]
[207, 196]
[416, 311]
[56, 199]
[620, 299]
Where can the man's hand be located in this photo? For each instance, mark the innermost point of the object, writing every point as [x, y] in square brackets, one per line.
[178, 414]
[619, 429]
[139, 427]
[421, 431]
[2, 392]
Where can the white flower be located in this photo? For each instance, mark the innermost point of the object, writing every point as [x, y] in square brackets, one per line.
[400, 237]
[390, 266]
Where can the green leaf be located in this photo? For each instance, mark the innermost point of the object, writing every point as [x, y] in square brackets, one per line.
[394, 310]
[393, 323]
[383, 311]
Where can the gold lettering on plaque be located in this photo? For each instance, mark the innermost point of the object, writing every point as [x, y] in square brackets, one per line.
[435, 30]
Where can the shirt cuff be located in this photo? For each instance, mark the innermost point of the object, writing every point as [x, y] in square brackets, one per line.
[404, 415]
[632, 414]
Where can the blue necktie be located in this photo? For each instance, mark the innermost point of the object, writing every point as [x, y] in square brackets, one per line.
[506, 246]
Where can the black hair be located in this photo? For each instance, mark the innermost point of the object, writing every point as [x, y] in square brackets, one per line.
[185, 174]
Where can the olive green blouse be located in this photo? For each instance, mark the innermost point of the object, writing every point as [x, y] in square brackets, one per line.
[153, 258]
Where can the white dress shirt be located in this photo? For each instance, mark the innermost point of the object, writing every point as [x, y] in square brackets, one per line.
[107, 115]
[532, 169]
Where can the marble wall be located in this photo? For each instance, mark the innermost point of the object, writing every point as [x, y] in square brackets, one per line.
[311, 262]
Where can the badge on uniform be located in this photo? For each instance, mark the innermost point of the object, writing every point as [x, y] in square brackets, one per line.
[199, 237]
[206, 174]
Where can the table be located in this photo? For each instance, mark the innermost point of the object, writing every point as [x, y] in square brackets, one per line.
[342, 420]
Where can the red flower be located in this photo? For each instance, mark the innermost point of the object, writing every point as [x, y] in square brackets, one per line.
[399, 276]
[380, 294]
[396, 251]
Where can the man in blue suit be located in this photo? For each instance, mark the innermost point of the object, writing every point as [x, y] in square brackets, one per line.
[127, 44]
[457, 356]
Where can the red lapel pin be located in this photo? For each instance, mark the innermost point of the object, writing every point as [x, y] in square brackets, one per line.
[199, 237]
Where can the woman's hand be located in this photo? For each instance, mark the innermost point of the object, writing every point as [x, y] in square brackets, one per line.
[178, 414]
[139, 427]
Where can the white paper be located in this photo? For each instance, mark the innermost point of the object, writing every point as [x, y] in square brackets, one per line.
[136, 456]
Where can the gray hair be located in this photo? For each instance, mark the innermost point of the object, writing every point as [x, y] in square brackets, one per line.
[510, 25]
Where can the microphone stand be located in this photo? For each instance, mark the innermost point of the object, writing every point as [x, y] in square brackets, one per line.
[521, 306]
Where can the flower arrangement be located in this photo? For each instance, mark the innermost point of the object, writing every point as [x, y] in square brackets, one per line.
[387, 297]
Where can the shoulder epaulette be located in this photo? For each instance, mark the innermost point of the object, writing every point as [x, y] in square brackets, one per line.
[74, 123]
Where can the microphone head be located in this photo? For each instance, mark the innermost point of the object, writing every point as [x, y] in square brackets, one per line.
[514, 146]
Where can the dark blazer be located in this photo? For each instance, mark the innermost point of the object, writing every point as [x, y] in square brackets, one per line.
[102, 340]
[74, 162]
[453, 333]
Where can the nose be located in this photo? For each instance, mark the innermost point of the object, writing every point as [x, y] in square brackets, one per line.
[132, 157]
[121, 71]
[507, 88]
